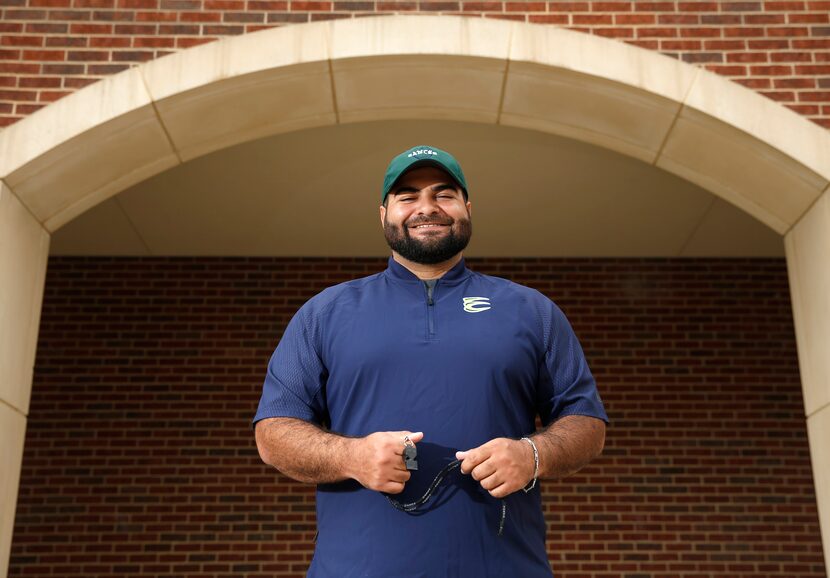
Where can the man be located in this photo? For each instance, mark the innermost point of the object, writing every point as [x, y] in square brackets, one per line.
[428, 353]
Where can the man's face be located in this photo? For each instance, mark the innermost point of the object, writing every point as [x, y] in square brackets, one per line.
[426, 219]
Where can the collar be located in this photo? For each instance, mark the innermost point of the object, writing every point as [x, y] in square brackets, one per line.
[396, 271]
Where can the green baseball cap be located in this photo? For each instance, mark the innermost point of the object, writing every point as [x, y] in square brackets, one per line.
[419, 156]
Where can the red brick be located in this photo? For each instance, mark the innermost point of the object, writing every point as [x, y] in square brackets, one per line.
[267, 5]
[63, 69]
[700, 32]
[724, 45]
[559, 19]
[592, 19]
[525, 6]
[569, 6]
[19, 67]
[816, 69]
[734, 6]
[656, 32]
[786, 6]
[615, 32]
[50, 3]
[245, 17]
[17, 95]
[71, 15]
[132, 56]
[654, 6]
[153, 42]
[110, 42]
[133, 29]
[816, 44]
[200, 17]
[160, 16]
[808, 18]
[680, 45]
[431, 6]
[311, 6]
[88, 56]
[352, 6]
[397, 6]
[611, 6]
[138, 4]
[221, 30]
[743, 32]
[787, 32]
[24, 14]
[224, 4]
[40, 28]
[816, 96]
[482, 6]
[67, 42]
[747, 57]
[44, 55]
[774, 70]
[794, 83]
[697, 6]
[91, 29]
[764, 19]
[634, 19]
[686, 19]
[768, 44]
[790, 57]
[8, 40]
[699, 57]
[321, 16]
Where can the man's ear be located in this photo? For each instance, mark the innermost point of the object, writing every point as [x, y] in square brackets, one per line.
[382, 214]
[469, 208]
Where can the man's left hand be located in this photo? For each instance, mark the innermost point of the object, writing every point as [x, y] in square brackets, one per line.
[502, 465]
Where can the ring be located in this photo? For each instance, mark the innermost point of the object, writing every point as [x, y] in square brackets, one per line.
[407, 441]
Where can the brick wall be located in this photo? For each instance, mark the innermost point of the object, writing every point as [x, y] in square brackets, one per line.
[139, 458]
[50, 48]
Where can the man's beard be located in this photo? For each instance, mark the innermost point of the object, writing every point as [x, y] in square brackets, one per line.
[428, 251]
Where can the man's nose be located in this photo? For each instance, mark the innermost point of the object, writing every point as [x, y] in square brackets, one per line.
[427, 205]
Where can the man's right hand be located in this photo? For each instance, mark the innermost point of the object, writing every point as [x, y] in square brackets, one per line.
[378, 460]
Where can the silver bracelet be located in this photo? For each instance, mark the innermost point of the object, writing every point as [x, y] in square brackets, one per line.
[532, 483]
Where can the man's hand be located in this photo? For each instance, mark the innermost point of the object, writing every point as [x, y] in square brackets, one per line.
[502, 465]
[378, 461]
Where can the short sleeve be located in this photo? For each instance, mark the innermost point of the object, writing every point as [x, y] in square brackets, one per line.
[296, 375]
[566, 386]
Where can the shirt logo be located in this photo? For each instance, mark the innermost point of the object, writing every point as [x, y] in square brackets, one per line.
[476, 304]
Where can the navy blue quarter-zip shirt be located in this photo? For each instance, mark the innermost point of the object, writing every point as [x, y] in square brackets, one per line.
[475, 358]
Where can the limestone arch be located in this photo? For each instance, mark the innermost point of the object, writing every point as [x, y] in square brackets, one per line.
[75, 153]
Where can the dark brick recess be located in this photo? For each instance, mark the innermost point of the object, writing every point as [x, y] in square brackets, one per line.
[140, 460]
